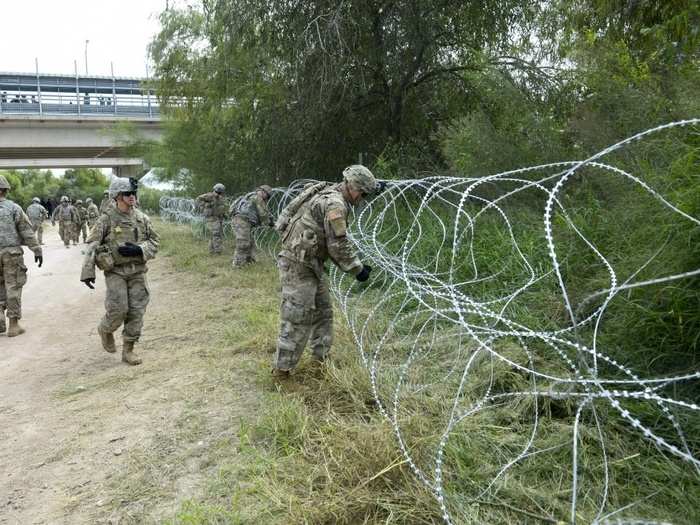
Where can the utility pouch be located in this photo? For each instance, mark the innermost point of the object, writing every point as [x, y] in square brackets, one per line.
[103, 259]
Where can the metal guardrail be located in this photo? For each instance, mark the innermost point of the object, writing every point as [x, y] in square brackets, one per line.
[79, 104]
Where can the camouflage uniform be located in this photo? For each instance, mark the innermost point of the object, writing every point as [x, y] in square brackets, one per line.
[93, 213]
[215, 210]
[82, 221]
[106, 202]
[315, 232]
[248, 213]
[15, 231]
[37, 215]
[68, 219]
[125, 277]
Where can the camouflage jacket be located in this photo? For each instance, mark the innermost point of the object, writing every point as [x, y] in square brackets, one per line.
[66, 213]
[114, 228]
[93, 212]
[318, 231]
[36, 212]
[214, 206]
[106, 203]
[15, 229]
[253, 209]
[82, 214]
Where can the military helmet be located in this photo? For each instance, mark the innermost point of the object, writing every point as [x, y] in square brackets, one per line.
[64, 199]
[360, 179]
[264, 187]
[106, 192]
[121, 185]
[219, 188]
[4, 185]
[36, 199]
[88, 201]
[79, 201]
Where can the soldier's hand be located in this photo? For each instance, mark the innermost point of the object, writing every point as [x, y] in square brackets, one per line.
[130, 249]
[364, 273]
[39, 260]
[381, 186]
[89, 282]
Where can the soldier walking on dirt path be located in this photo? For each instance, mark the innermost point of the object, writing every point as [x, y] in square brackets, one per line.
[313, 228]
[15, 231]
[249, 212]
[67, 217]
[106, 201]
[93, 213]
[37, 215]
[215, 210]
[120, 244]
[82, 221]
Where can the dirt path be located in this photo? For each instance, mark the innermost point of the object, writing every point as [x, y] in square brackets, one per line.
[84, 438]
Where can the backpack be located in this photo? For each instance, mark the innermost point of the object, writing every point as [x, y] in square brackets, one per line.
[310, 190]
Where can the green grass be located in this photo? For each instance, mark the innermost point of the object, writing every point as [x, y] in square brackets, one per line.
[317, 449]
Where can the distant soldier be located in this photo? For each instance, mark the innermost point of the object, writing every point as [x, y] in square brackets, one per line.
[93, 212]
[120, 244]
[106, 201]
[68, 219]
[15, 231]
[83, 224]
[313, 228]
[249, 212]
[37, 215]
[215, 210]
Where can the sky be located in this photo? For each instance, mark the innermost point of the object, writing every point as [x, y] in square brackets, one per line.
[55, 31]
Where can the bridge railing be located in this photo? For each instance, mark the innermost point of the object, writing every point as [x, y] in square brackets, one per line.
[79, 104]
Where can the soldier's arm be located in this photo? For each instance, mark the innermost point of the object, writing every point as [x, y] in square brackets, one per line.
[26, 232]
[44, 213]
[340, 249]
[151, 243]
[54, 215]
[95, 238]
[263, 211]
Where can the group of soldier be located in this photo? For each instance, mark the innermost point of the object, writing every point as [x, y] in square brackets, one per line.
[121, 240]
[313, 228]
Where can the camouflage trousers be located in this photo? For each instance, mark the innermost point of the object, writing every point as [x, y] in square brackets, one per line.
[125, 303]
[65, 231]
[82, 228]
[13, 276]
[38, 227]
[306, 313]
[216, 230]
[245, 247]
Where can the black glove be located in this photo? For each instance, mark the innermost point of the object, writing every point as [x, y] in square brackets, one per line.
[39, 260]
[130, 249]
[364, 273]
[381, 186]
[89, 282]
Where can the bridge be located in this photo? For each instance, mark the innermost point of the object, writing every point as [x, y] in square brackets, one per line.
[69, 121]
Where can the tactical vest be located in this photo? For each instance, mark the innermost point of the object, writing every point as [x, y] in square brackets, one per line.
[214, 207]
[124, 228]
[64, 213]
[9, 236]
[309, 191]
[35, 212]
[245, 207]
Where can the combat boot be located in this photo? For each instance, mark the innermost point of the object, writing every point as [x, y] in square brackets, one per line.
[128, 354]
[278, 373]
[2, 323]
[15, 329]
[107, 341]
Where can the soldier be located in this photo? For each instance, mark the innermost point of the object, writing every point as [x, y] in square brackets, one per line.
[68, 219]
[313, 228]
[82, 221]
[214, 207]
[37, 215]
[15, 231]
[106, 201]
[248, 212]
[120, 244]
[93, 212]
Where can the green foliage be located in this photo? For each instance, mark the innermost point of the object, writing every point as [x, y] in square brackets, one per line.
[77, 184]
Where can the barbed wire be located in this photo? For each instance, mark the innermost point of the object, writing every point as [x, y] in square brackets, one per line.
[444, 324]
